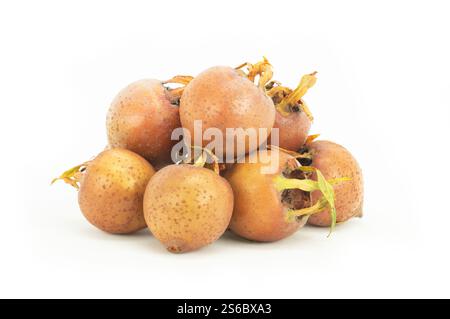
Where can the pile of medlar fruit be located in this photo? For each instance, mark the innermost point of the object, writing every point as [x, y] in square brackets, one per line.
[189, 200]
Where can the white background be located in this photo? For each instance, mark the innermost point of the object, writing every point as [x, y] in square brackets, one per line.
[382, 91]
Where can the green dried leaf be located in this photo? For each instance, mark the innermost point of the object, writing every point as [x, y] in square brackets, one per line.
[69, 173]
[307, 169]
[307, 185]
[314, 209]
[72, 175]
[324, 186]
[328, 193]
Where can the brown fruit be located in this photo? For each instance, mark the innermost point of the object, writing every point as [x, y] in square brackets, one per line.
[260, 210]
[221, 97]
[141, 118]
[293, 129]
[334, 161]
[293, 118]
[111, 190]
[187, 207]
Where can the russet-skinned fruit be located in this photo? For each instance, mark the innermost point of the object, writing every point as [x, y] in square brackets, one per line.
[111, 190]
[223, 97]
[334, 161]
[260, 209]
[142, 117]
[293, 129]
[187, 207]
[293, 118]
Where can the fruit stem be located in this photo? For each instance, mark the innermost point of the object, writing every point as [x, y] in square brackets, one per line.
[72, 176]
[295, 97]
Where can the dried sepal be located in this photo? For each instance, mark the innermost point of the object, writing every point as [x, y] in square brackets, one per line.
[319, 206]
[201, 160]
[295, 96]
[292, 153]
[174, 94]
[263, 69]
[179, 79]
[281, 183]
[73, 175]
[324, 186]
[278, 91]
[328, 193]
[311, 138]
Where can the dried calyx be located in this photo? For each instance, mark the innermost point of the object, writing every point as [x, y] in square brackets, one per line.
[293, 198]
[305, 158]
[174, 94]
[263, 69]
[202, 157]
[296, 186]
[73, 175]
[287, 100]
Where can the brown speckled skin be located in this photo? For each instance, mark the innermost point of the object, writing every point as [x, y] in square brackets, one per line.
[141, 119]
[334, 161]
[187, 207]
[112, 190]
[258, 212]
[293, 130]
[222, 99]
